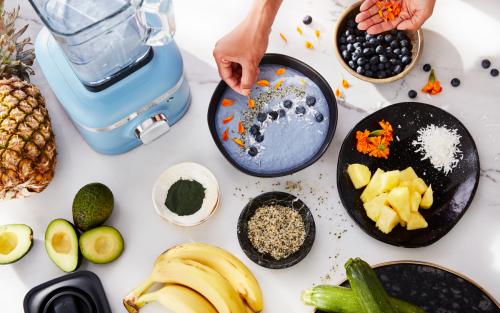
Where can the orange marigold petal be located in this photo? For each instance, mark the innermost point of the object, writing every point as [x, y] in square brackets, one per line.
[280, 71]
[299, 30]
[263, 83]
[241, 129]
[345, 84]
[303, 82]
[283, 36]
[309, 45]
[379, 4]
[391, 16]
[279, 83]
[316, 32]
[251, 103]
[228, 119]
[225, 135]
[239, 142]
[227, 102]
[338, 93]
[381, 14]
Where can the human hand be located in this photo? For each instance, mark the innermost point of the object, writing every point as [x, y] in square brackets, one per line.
[413, 15]
[238, 55]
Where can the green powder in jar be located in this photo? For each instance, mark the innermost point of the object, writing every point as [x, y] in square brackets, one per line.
[185, 197]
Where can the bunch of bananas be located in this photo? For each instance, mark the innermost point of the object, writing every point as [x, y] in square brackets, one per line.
[199, 278]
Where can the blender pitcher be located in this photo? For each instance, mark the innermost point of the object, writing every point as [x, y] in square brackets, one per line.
[103, 39]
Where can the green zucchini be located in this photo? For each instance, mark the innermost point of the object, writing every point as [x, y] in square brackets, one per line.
[335, 299]
[371, 297]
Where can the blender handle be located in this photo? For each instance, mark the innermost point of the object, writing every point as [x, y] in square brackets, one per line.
[159, 36]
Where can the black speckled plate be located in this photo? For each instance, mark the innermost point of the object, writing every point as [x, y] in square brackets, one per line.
[433, 288]
[453, 193]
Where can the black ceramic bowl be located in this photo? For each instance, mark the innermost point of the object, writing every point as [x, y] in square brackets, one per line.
[306, 70]
[453, 193]
[286, 200]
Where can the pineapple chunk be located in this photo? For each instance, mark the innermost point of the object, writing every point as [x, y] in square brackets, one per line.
[373, 188]
[374, 206]
[359, 174]
[399, 198]
[415, 199]
[389, 181]
[387, 220]
[419, 186]
[402, 223]
[417, 221]
[427, 199]
[407, 175]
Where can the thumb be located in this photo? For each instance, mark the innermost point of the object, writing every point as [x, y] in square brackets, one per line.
[248, 78]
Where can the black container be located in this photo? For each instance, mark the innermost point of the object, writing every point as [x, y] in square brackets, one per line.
[286, 200]
[306, 70]
[79, 292]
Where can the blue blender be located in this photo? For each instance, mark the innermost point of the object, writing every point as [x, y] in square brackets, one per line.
[119, 77]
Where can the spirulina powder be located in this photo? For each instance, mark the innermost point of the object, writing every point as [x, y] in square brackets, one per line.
[185, 197]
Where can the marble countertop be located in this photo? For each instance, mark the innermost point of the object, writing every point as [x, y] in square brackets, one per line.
[458, 36]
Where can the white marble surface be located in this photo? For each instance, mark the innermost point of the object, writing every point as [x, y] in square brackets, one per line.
[457, 37]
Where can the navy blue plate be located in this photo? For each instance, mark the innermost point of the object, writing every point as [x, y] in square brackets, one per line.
[453, 193]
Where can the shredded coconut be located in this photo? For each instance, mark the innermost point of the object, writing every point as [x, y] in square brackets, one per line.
[440, 146]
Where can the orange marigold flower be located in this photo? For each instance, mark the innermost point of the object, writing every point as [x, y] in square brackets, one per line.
[379, 147]
[387, 128]
[363, 144]
[433, 87]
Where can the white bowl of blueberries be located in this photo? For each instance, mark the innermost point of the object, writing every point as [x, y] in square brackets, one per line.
[378, 59]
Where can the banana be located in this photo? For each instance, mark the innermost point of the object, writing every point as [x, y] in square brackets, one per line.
[224, 263]
[202, 279]
[179, 299]
[130, 300]
[248, 309]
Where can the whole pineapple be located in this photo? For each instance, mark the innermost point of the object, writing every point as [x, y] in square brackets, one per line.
[27, 142]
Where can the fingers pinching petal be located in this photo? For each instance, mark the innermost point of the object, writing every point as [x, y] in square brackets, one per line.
[248, 79]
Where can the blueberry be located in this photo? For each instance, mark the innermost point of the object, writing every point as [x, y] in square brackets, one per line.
[261, 117]
[350, 47]
[307, 19]
[388, 38]
[352, 30]
[310, 101]
[351, 39]
[365, 45]
[252, 151]
[399, 62]
[374, 68]
[380, 37]
[358, 32]
[355, 56]
[427, 67]
[393, 62]
[405, 51]
[494, 72]
[300, 110]
[368, 73]
[359, 51]
[398, 69]
[397, 51]
[360, 70]
[374, 60]
[254, 130]
[367, 51]
[485, 63]
[455, 82]
[372, 42]
[349, 32]
[343, 40]
[381, 66]
[400, 56]
[357, 45]
[388, 52]
[288, 104]
[351, 23]
[394, 44]
[360, 39]
[368, 37]
[343, 48]
[346, 55]
[259, 138]
[361, 61]
[401, 36]
[319, 117]
[387, 65]
[367, 66]
[412, 94]
[372, 51]
[383, 58]
[394, 32]
[381, 74]
[273, 115]
[388, 72]
[406, 59]
[379, 50]
[377, 43]
[352, 64]
[405, 43]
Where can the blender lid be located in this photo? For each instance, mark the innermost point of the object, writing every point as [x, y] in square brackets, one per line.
[79, 292]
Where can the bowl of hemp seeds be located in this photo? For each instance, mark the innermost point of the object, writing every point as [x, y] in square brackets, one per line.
[276, 230]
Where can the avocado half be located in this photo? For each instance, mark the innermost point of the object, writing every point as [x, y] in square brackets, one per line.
[61, 243]
[101, 245]
[92, 206]
[16, 240]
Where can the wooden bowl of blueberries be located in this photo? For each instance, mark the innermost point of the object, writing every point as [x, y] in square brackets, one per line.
[378, 59]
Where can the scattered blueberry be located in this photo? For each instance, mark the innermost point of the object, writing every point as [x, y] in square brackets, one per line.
[281, 113]
[310, 101]
[455, 82]
[254, 130]
[395, 45]
[343, 40]
[319, 117]
[252, 151]
[494, 72]
[360, 70]
[394, 32]
[398, 69]
[300, 110]
[405, 43]
[288, 104]
[485, 63]
[374, 60]
[379, 50]
[261, 117]
[397, 51]
[346, 55]
[405, 51]
[307, 19]
[406, 59]
[273, 115]
[259, 138]
[351, 23]
[381, 74]
[388, 38]
[427, 67]
[368, 73]
[383, 59]
[401, 36]
[412, 94]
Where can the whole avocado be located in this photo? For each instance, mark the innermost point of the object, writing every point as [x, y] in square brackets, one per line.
[92, 206]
